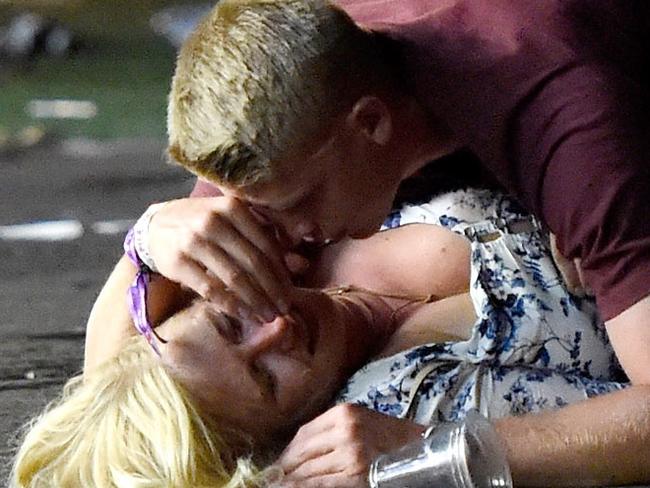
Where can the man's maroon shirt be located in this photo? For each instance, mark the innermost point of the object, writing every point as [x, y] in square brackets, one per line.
[551, 95]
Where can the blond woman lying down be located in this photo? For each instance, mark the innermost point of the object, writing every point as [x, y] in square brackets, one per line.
[455, 306]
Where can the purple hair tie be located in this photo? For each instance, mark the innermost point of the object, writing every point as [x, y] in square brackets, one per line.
[137, 294]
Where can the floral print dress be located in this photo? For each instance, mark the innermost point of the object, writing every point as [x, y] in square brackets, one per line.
[534, 345]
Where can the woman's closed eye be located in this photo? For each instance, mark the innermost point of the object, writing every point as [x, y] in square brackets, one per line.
[230, 328]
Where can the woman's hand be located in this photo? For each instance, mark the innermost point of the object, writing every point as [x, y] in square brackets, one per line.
[337, 448]
[218, 248]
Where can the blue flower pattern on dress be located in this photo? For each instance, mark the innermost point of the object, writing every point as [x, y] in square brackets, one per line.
[534, 345]
[393, 220]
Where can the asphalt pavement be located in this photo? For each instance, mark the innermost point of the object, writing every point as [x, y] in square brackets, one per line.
[64, 209]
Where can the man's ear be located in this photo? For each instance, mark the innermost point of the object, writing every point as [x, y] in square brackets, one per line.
[371, 118]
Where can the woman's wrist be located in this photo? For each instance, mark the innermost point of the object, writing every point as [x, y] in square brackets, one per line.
[141, 236]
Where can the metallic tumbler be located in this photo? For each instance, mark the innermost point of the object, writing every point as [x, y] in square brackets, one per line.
[454, 455]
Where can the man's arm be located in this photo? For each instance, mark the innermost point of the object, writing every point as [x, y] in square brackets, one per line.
[603, 441]
[599, 442]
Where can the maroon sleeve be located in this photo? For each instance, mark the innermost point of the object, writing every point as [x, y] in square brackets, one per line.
[587, 132]
[204, 189]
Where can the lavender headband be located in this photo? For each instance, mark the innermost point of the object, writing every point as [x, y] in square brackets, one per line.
[137, 294]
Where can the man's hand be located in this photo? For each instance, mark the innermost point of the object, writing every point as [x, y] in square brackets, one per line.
[218, 248]
[337, 448]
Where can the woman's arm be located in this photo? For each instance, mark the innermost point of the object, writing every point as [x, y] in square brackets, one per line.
[109, 323]
[447, 319]
[415, 261]
[603, 441]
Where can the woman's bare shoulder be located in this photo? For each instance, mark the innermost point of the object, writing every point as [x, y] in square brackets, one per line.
[415, 259]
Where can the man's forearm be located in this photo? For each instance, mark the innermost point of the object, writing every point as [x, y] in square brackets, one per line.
[603, 441]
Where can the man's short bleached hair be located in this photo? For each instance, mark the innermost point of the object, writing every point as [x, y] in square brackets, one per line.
[257, 79]
[128, 424]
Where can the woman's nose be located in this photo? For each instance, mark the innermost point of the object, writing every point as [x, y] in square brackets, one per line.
[278, 335]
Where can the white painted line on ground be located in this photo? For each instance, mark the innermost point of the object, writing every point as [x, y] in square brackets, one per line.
[57, 230]
[62, 230]
[62, 109]
[112, 227]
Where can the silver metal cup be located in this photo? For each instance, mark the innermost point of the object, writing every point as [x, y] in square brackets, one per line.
[454, 455]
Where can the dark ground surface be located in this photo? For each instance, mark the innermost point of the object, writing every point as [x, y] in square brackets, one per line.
[47, 288]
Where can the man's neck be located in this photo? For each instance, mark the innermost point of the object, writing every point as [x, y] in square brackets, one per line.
[420, 136]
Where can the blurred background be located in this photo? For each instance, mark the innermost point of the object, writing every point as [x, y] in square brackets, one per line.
[83, 87]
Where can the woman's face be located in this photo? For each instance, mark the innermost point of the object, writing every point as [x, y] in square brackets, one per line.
[263, 379]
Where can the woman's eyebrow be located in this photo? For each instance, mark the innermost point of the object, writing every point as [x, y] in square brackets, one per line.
[233, 332]
[229, 328]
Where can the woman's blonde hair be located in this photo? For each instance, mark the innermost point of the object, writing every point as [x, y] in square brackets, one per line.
[128, 424]
[258, 78]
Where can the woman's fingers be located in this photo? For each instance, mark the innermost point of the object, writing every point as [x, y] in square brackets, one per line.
[194, 277]
[252, 266]
[319, 437]
[216, 247]
[261, 236]
[234, 280]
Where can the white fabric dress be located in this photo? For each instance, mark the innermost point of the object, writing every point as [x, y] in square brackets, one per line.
[534, 345]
